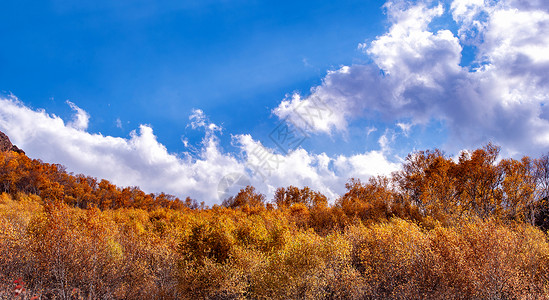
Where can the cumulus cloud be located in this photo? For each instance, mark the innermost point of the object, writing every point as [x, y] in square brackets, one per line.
[302, 168]
[530, 4]
[140, 160]
[417, 75]
[81, 117]
[311, 114]
[199, 120]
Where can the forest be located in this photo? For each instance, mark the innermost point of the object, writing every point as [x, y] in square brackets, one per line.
[472, 227]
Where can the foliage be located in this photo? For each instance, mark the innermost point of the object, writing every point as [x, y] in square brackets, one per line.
[439, 228]
[20, 174]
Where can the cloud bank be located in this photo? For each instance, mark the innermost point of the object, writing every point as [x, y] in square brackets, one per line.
[141, 160]
[419, 75]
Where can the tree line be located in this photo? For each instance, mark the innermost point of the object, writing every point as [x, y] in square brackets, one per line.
[472, 227]
[21, 174]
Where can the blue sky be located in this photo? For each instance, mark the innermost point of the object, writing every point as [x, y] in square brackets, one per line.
[152, 62]
[180, 97]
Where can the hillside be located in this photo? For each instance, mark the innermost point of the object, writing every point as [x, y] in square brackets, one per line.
[437, 229]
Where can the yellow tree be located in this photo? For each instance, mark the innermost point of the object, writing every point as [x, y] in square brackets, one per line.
[412, 179]
[286, 197]
[247, 197]
[368, 201]
[519, 188]
[479, 181]
[438, 189]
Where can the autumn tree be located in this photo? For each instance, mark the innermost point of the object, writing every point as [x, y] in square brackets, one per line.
[371, 201]
[519, 188]
[479, 180]
[286, 197]
[247, 197]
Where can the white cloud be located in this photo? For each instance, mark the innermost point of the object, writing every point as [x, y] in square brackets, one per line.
[405, 127]
[416, 75]
[318, 171]
[370, 130]
[365, 165]
[517, 35]
[530, 4]
[81, 118]
[141, 160]
[469, 13]
[410, 58]
[310, 114]
[197, 118]
[385, 141]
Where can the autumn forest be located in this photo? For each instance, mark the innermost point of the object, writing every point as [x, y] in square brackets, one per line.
[472, 227]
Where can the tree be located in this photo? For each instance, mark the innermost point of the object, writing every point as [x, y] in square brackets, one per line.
[247, 197]
[479, 180]
[520, 188]
[286, 197]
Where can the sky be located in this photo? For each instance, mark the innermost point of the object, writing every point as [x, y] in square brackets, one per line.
[202, 98]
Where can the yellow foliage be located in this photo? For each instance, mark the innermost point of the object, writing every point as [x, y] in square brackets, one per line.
[437, 229]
